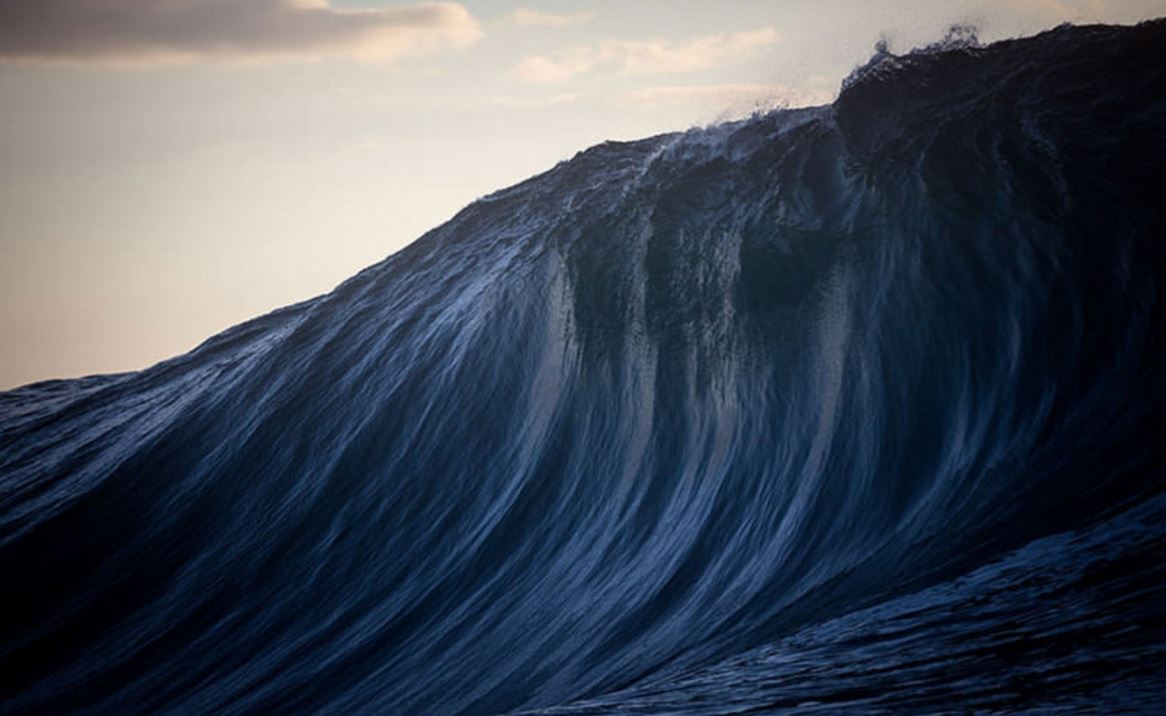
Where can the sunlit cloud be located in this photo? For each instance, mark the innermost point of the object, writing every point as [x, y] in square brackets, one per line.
[162, 31]
[654, 56]
[555, 100]
[525, 17]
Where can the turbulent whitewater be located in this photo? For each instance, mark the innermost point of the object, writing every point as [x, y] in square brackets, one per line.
[854, 408]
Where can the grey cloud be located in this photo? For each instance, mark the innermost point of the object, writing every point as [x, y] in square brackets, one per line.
[137, 31]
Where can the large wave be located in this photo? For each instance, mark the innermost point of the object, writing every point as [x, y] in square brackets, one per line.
[856, 406]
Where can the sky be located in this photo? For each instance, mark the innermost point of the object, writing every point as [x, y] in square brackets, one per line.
[171, 168]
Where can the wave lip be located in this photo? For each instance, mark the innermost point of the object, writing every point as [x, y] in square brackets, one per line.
[850, 406]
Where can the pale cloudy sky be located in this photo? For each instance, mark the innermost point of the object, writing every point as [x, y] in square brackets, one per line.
[173, 167]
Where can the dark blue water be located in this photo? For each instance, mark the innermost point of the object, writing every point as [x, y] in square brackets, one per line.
[855, 408]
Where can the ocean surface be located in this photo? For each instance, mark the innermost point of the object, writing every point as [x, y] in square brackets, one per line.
[857, 408]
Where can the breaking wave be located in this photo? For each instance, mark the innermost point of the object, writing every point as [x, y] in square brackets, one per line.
[858, 406]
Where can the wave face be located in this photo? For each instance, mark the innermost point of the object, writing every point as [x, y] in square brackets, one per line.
[856, 407]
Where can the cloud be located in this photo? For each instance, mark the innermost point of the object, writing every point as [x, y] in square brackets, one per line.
[555, 100]
[148, 32]
[525, 17]
[655, 56]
